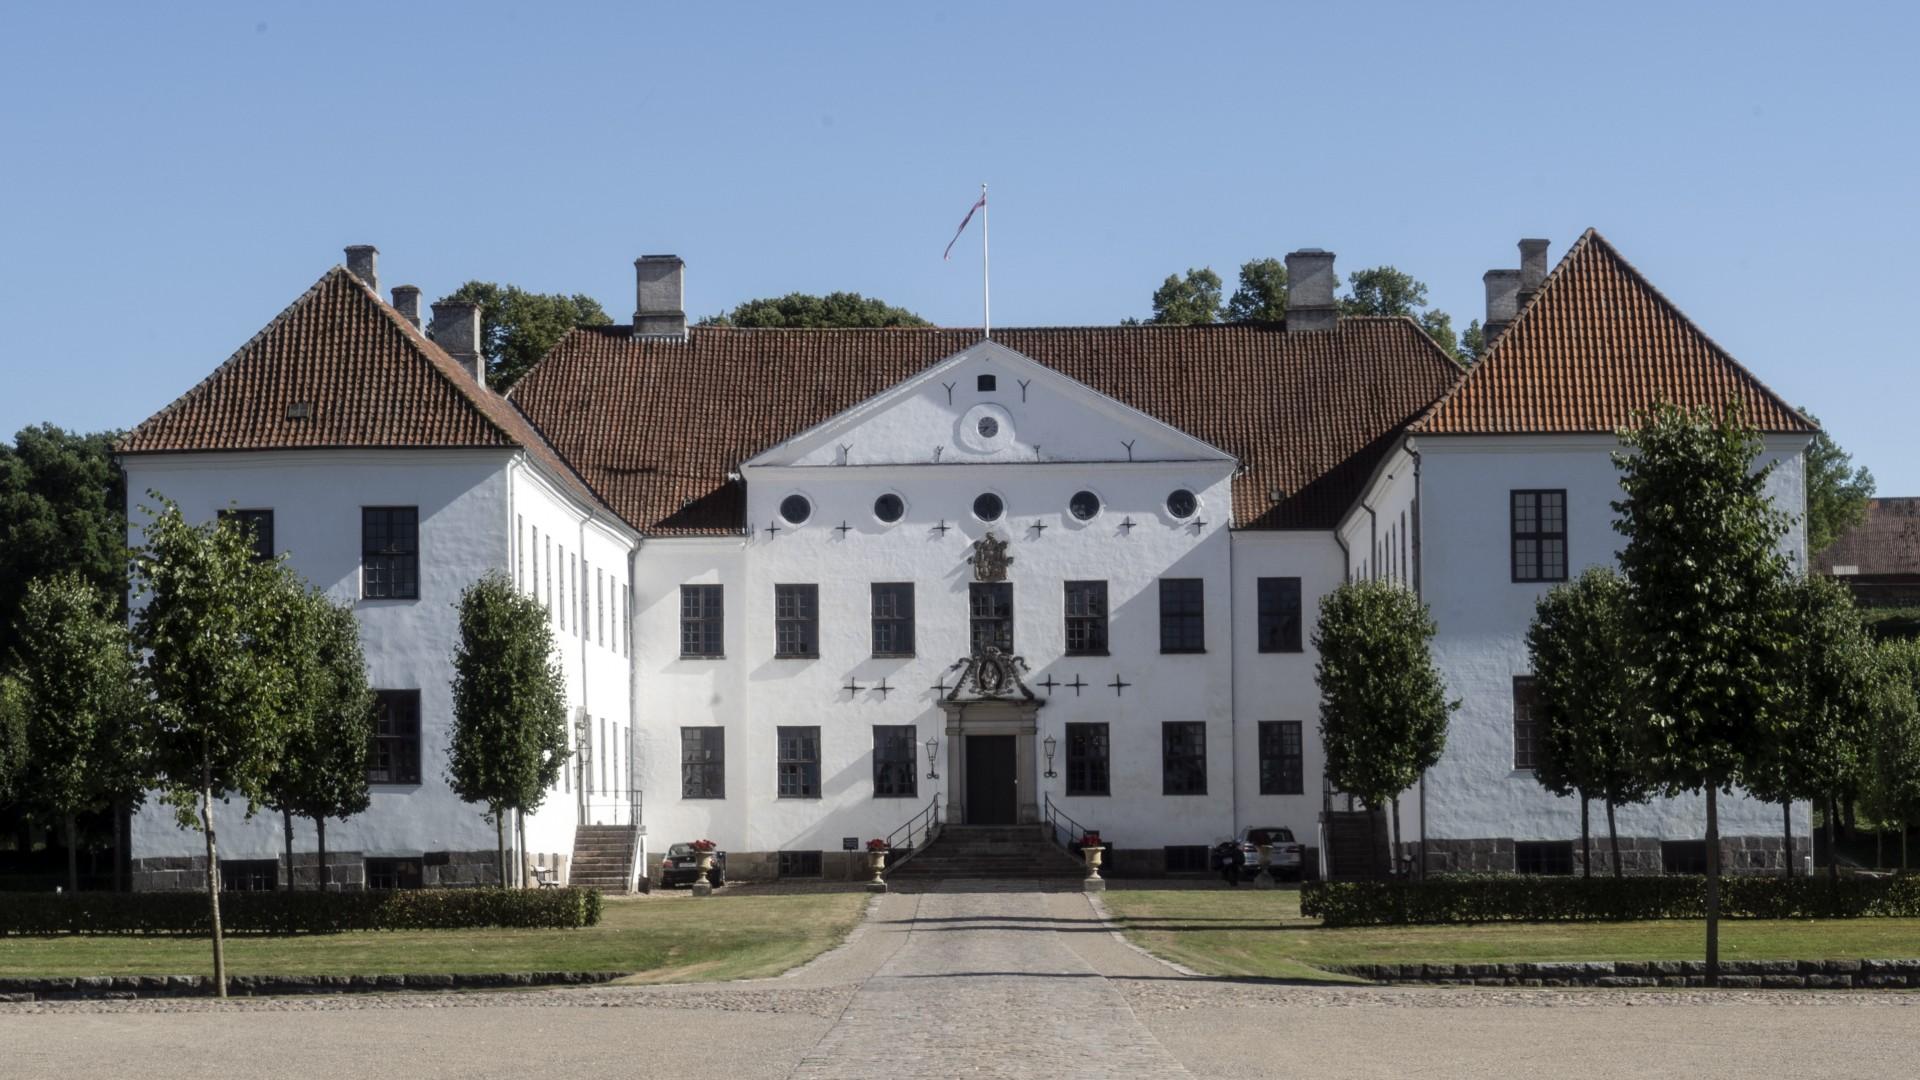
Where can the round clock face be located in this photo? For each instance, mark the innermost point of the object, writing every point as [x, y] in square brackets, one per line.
[984, 429]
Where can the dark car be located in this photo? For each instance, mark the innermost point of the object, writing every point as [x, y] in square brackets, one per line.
[681, 866]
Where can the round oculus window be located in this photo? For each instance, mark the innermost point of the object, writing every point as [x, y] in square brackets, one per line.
[1083, 505]
[988, 427]
[796, 509]
[988, 507]
[889, 508]
[1182, 503]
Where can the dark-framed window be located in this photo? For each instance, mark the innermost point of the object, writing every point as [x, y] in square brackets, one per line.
[1086, 618]
[1543, 856]
[249, 875]
[390, 552]
[893, 618]
[396, 873]
[703, 763]
[1683, 856]
[1281, 771]
[1279, 614]
[701, 620]
[990, 615]
[894, 765]
[797, 864]
[1183, 757]
[394, 757]
[259, 526]
[1088, 759]
[1183, 615]
[1540, 535]
[799, 762]
[796, 620]
[1528, 749]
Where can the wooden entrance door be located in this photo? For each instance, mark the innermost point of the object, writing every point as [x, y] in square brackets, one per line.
[993, 795]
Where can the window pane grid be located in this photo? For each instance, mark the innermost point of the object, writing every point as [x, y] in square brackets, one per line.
[390, 552]
[394, 757]
[894, 772]
[1086, 618]
[1183, 761]
[1527, 748]
[1087, 759]
[893, 619]
[703, 763]
[1539, 535]
[1281, 771]
[1279, 614]
[1182, 615]
[799, 776]
[990, 606]
[796, 620]
[700, 620]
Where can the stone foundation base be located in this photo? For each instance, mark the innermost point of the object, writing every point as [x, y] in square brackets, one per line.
[1638, 855]
[346, 870]
[1744, 974]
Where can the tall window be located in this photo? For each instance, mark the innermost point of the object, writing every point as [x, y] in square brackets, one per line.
[799, 762]
[536, 585]
[1087, 759]
[893, 618]
[394, 757]
[1183, 758]
[1086, 618]
[1527, 747]
[703, 763]
[796, 620]
[560, 598]
[600, 608]
[1540, 536]
[1182, 615]
[390, 552]
[990, 607]
[700, 620]
[1279, 614]
[258, 524]
[894, 774]
[1280, 758]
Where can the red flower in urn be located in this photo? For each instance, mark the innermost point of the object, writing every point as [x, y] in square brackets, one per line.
[877, 844]
[703, 845]
[1092, 839]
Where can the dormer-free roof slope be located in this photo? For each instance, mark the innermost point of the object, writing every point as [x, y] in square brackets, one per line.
[656, 425]
[1596, 345]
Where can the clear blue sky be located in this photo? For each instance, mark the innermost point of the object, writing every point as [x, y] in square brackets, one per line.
[175, 174]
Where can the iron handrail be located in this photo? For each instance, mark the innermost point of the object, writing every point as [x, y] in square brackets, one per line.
[1068, 836]
[925, 825]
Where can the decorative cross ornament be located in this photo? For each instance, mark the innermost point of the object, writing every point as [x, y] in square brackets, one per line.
[1126, 526]
[1049, 683]
[941, 528]
[940, 686]
[772, 528]
[852, 688]
[884, 688]
[1198, 525]
[843, 528]
[1118, 686]
[1077, 684]
[1039, 525]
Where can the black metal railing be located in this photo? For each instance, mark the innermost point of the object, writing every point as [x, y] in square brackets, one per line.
[913, 837]
[1062, 829]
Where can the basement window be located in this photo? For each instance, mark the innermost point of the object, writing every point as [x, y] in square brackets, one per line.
[249, 875]
[798, 864]
[1187, 859]
[1683, 856]
[396, 873]
[1543, 856]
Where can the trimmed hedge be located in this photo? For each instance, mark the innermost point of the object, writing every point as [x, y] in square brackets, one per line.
[297, 912]
[1473, 898]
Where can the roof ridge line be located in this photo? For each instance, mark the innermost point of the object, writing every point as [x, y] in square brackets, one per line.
[438, 358]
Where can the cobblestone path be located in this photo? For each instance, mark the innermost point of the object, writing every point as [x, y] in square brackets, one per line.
[989, 983]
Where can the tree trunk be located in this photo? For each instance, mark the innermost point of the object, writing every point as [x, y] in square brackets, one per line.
[1833, 851]
[500, 834]
[1586, 840]
[1903, 845]
[119, 845]
[1395, 805]
[213, 877]
[1613, 834]
[73, 855]
[287, 817]
[320, 834]
[1713, 884]
[1786, 807]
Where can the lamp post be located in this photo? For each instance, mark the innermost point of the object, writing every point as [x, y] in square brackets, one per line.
[933, 751]
[1050, 744]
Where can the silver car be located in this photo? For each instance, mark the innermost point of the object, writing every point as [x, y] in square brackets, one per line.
[1288, 854]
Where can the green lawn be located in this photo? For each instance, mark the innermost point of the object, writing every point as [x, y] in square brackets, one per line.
[659, 940]
[1258, 932]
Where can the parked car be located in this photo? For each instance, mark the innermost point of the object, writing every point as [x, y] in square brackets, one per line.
[1288, 854]
[681, 866]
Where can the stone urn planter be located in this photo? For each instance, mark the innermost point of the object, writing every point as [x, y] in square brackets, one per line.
[703, 858]
[877, 863]
[1093, 850]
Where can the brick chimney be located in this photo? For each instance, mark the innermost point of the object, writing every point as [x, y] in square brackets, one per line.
[1310, 285]
[456, 328]
[1533, 270]
[1503, 292]
[659, 308]
[406, 301]
[363, 262]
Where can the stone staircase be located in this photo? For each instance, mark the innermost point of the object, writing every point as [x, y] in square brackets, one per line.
[989, 851]
[602, 857]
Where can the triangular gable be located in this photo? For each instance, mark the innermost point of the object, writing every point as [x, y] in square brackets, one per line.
[1596, 345]
[1029, 412]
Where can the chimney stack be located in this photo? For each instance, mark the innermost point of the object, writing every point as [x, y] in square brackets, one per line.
[363, 261]
[1503, 301]
[1310, 285]
[1533, 269]
[406, 301]
[659, 309]
[456, 328]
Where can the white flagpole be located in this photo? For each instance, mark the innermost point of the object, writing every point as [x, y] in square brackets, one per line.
[986, 279]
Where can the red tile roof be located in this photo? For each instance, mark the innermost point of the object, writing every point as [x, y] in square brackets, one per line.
[655, 426]
[1594, 346]
[1887, 542]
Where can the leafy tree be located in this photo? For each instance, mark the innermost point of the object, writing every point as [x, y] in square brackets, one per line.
[1704, 570]
[517, 327]
[80, 695]
[1187, 301]
[1262, 295]
[214, 668]
[1811, 745]
[1439, 326]
[1837, 492]
[1892, 766]
[838, 310]
[1587, 706]
[1383, 706]
[1383, 290]
[324, 773]
[13, 733]
[62, 507]
[509, 704]
[1473, 343]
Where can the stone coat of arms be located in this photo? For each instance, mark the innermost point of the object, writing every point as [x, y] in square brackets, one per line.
[990, 559]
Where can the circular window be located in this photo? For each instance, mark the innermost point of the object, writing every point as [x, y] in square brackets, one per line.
[988, 507]
[796, 509]
[988, 427]
[1084, 505]
[1182, 503]
[889, 508]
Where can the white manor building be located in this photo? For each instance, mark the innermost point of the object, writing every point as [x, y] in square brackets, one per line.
[809, 584]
